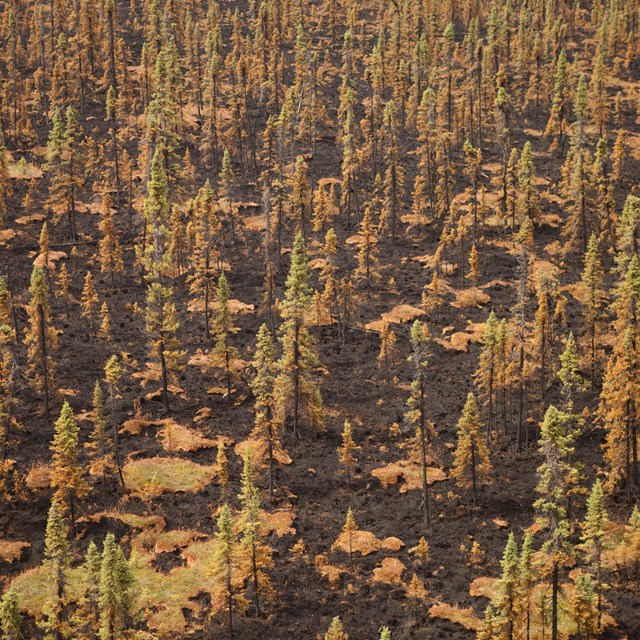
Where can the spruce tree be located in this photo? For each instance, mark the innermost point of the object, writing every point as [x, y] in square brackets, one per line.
[394, 174]
[226, 566]
[628, 233]
[41, 338]
[593, 532]
[98, 445]
[346, 451]
[507, 602]
[205, 227]
[526, 581]
[57, 561]
[67, 476]
[618, 404]
[556, 446]
[64, 161]
[387, 350]
[471, 466]
[592, 302]
[112, 376]
[91, 568]
[569, 374]
[4, 182]
[104, 331]
[266, 430]
[160, 314]
[225, 355]
[584, 605]
[89, 301]
[367, 256]
[336, 631]
[222, 471]
[296, 391]
[109, 249]
[485, 375]
[116, 584]
[556, 122]
[416, 415]
[259, 553]
[8, 371]
[490, 626]
[10, 616]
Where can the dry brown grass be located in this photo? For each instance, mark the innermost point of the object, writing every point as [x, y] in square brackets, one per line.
[24, 171]
[133, 520]
[38, 477]
[465, 617]
[168, 541]
[255, 223]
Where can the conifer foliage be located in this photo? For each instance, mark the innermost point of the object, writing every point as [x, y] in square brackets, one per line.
[280, 272]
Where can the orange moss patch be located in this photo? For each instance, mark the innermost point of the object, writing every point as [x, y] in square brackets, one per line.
[36, 217]
[400, 314]
[472, 297]
[403, 313]
[459, 341]
[54, 256]
[465, 617]
[389, 572]
[136, 425]
[328, 571]
[255, 223]
[392, 543]
[415, 220]
[495, 283]
[484, 586]
[178, 437]
[279, 522]
[362, 542]
[409, 472]
[6, 235]
[550, 219]
[11, 550]
[202, 414]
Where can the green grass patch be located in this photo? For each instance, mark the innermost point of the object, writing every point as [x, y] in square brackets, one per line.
[154, 476]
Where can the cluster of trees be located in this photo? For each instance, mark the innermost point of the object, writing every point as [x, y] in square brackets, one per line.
[363, 129]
